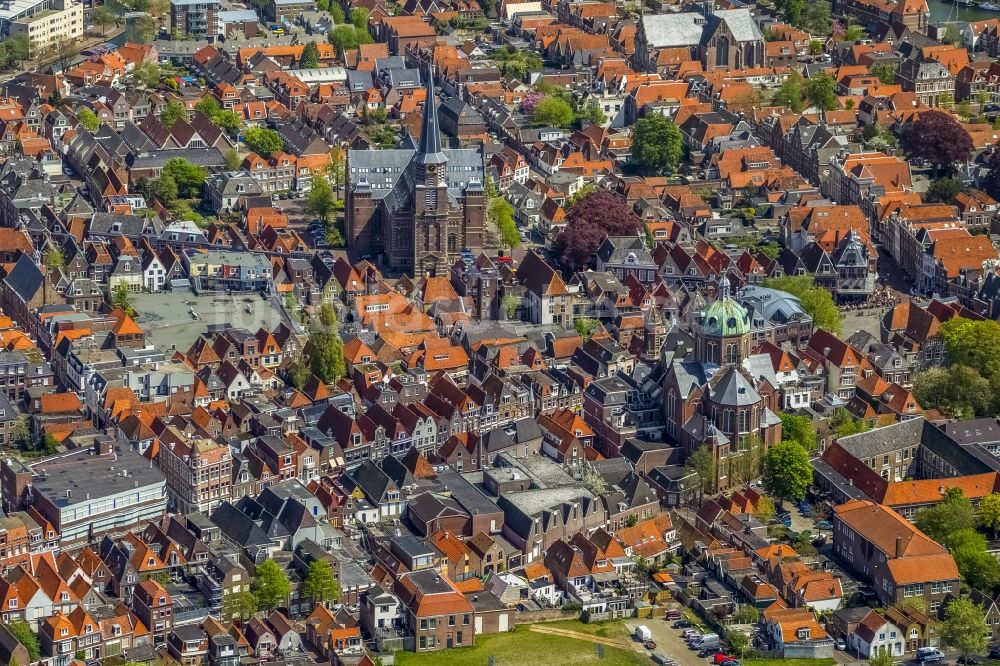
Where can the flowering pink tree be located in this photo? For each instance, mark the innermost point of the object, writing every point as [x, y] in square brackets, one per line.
[530, 102]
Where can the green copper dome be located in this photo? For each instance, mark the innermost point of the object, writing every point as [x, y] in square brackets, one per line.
[724, 317]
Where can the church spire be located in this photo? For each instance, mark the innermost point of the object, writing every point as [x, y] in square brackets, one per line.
[430, 138]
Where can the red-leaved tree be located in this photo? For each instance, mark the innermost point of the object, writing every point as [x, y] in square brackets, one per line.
[588, 221]
[938, 138]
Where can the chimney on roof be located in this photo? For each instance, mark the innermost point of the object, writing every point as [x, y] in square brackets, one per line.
[900, 546]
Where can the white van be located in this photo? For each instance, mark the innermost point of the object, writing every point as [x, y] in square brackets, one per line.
[643, 634]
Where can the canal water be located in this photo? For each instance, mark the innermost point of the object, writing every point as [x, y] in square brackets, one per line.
[941, 11]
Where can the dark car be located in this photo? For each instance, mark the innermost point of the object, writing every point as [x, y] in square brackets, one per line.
[968, 661]
[706, 652]
[994, 652]
[681, 624]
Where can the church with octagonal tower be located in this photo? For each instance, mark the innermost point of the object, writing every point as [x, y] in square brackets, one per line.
[712, 398]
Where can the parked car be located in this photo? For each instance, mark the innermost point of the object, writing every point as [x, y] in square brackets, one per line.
[929, 655]
[707, 652]
[663, 659]
[672, 614]
[994, 652]
[840, 644]
[824, 525]
[968, 661]
[649, 645]
[681, 624]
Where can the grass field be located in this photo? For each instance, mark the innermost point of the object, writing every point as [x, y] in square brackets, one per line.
[790, 662]
[525, 648]
[610, 629]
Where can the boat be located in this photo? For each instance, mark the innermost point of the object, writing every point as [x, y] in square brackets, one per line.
[989, 6]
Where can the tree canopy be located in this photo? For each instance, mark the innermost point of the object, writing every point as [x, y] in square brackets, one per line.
[264, 142]
[320, 585]
[327, 348]
[818, 302]
[88, 119]
[553, 111]
[964, 627]
[320, 201]
[958, 391]
[798, 429]
[951, 515]
[22, 631]
[270, 585]
[787, 471]
[821, 91]
[656, 144]
[189, 177]
[502, 215]
[310, 56]
[938, 138]
[173, 112]
[599, 214]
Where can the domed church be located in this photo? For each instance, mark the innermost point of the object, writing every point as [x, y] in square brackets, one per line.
[712, 399]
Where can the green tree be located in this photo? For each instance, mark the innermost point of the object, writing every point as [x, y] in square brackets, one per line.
[656, 144]
[979, 569]
[18, 47]
[54, 258]
[320, 585]
[943, 190]
[792, 9]
[818, 302]
[952, 35]
[973, 343]
[585, 326]
[230, 121]
[821, 91]
[745, 614]
[946, 100]
[147, 74]
[103, 16]
[951, 515]
[21, 630]
[264, 142]
[982, 99]
[142, 29]
[799, 429]
[120, 299]
[164, 189]
[510, 305]
[816, 20]
[21, 431]
[853, 33]
[299, 372]
[232, 160]
[310, 56]
[765, 509]
[337, 13]
[787, 471]
[327, 353]
[88, 119]
[239, 605]
[989, 512]
[173, 112]
[320, 201]
[359, 17]
[958, 391]
[964, 627]
[553, 112]
[270, 585]
[737, 640]
[189, 177]
[885, 72]
[789, 93]
[347, 37]
[843, 423]
[501, 213]
[702, 464]
[208, 106]
[964, 110]
[592, 113]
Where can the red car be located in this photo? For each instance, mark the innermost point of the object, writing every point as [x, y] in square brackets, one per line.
[720, 657]
[649, 645]
[672, 614]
